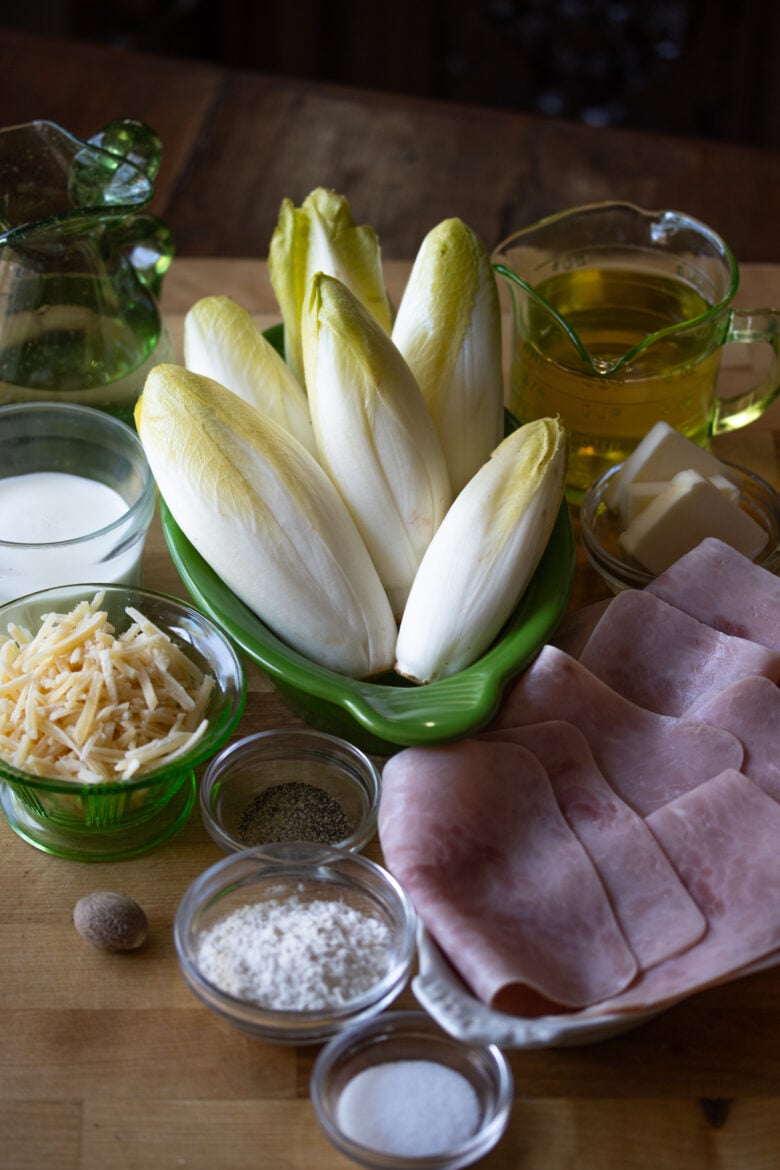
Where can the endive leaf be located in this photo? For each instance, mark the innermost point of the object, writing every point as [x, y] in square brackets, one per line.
[375, 436]
[321, 236]
[223, 342]
[484, 554]
[448, 328]
[262, 512]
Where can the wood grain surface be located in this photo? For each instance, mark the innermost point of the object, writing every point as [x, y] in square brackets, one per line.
[108, 1062]
[236, 142]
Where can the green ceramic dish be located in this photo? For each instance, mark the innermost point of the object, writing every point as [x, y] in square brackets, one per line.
[383, 716]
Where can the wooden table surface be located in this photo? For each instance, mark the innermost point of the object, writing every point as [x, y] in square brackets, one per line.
[236, 142]
[108, 1061]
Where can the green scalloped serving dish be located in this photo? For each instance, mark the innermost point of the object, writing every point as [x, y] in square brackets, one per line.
[385, 715]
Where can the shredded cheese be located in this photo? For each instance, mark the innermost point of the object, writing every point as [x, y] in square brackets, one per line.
[79, 702]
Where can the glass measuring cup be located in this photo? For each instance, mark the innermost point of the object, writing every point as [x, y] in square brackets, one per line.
[619, 319]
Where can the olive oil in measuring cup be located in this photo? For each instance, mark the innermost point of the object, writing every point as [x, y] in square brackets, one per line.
[637, 373]
[619, 317]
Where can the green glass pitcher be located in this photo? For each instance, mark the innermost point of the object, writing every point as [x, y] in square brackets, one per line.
[81, 265]
[619, 320]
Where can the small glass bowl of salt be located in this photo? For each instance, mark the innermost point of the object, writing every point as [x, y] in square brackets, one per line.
[400, 1092]
[292, 942]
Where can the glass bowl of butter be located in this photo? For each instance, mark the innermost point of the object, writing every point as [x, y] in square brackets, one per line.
[642, 515]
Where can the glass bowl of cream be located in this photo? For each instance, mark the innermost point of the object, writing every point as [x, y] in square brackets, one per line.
[77, 497]
[292, 942]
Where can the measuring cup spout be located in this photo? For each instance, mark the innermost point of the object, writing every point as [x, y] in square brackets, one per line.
[531, 311]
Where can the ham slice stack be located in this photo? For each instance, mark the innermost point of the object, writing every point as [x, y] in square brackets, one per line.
[609, 844]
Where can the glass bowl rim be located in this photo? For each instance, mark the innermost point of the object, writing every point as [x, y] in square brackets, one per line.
[634, 576]
[388, 1027]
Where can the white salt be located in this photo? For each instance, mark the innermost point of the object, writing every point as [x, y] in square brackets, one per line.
[409, 1108]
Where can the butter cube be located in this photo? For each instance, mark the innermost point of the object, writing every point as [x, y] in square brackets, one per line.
[637, 496]
[660, 455]
[688, 509]
[726, 486]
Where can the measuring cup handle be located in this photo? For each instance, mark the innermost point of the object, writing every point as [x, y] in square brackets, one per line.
[128, 138]
[751, 326]
[148, 243]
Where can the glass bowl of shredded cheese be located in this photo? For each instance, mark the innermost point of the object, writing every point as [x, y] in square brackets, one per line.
[110, 696]
[294, 941]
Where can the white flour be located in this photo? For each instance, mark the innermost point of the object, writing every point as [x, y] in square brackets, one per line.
[294, 955]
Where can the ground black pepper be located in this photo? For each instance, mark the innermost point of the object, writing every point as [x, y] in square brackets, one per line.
[294, 812]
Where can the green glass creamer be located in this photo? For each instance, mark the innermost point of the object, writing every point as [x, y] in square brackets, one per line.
[81, 265]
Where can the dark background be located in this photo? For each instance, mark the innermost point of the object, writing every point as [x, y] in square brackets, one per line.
[697, 67]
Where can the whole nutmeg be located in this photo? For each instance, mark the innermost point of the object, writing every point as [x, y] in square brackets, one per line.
[110, 921]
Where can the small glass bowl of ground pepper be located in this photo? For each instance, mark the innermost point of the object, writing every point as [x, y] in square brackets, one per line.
[290, 785]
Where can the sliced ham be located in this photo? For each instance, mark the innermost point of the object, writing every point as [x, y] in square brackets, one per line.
[608, 844]
[750, 710]
[648, 759]
[722, 838]
[474, 833]
[655, 911]
[726, 591]
[665, 660]
[573, 631]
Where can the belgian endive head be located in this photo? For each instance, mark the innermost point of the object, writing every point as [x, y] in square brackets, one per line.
[375, 436]
[483, 556]
[264, 515]
[322, 236]
[224, 342]
[448, 329]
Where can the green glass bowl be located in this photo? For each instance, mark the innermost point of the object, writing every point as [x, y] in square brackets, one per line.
[107, 821]
[384, 715]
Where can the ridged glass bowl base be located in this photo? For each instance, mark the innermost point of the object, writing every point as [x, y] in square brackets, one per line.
[110, 842]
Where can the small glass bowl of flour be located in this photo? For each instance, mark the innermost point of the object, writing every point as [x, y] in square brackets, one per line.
[293, 941]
